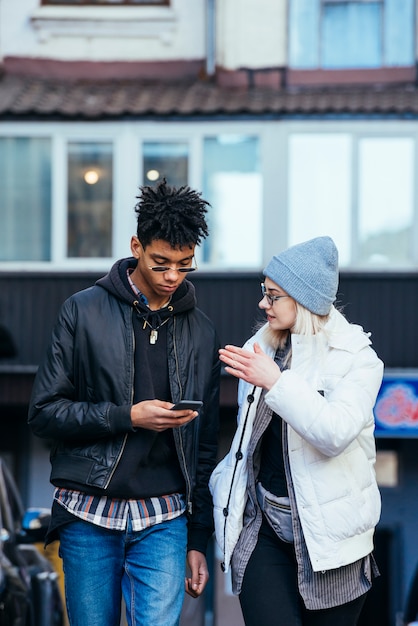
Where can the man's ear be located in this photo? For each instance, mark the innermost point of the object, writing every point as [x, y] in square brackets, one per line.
[136, 247]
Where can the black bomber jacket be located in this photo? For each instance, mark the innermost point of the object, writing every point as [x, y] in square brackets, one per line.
[83, 392]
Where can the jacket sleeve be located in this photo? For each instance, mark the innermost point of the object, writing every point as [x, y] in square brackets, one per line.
[60, 407]
[330, 418]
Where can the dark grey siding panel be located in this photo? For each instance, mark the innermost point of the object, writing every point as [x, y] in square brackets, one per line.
[385, 304]
[29, 304]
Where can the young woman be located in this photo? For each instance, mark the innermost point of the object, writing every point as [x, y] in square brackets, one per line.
[296, 500]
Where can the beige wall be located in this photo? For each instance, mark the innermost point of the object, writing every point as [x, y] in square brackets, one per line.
[251, 33]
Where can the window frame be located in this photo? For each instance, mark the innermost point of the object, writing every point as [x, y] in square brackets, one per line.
[358, 131]
[127, 138]
[315, 74]
[107, 3]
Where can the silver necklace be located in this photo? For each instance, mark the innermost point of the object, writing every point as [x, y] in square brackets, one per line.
[153, 336]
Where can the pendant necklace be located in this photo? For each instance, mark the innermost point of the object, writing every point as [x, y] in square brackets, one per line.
[154, 331]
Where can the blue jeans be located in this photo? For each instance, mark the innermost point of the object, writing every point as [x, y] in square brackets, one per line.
[148, 567]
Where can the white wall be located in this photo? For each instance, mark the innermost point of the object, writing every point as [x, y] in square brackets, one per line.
[250, 33]
[100, 33]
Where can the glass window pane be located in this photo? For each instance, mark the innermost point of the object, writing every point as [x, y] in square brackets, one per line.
[89, 199]
[165, 160]
[386, 199]
[233, 186]
[352, 35]
[320, 189]
[399, 32]
[304, 16]
[25, 184]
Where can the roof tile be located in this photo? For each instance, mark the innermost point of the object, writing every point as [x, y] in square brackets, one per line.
[20, 96]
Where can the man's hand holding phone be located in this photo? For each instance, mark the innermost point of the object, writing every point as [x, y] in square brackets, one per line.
[159, 416]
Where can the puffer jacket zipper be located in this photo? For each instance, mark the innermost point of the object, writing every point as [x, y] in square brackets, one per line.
[238, 457]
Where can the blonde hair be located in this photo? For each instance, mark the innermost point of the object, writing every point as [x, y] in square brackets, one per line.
[306, 323]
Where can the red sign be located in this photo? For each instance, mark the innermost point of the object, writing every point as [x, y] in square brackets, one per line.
[396, 409]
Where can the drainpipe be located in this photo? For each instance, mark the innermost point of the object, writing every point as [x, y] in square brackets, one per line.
[210, 37]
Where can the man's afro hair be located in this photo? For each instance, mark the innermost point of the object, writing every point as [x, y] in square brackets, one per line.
[175, 215]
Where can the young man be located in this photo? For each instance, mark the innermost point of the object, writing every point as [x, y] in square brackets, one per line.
[131, 474]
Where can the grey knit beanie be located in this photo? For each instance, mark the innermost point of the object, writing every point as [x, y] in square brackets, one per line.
[308, 272]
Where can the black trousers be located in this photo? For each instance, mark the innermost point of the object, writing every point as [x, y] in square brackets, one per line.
[270, 596]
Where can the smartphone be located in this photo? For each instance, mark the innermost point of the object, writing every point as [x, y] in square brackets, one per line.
[194, 405]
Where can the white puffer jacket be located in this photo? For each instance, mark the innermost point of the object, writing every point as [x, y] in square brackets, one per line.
[327, 399]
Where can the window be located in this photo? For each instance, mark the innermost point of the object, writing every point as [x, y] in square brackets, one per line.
[25, 184]
[385, 202]
[68, 190]
[320, 189]
[357, 189]
[70, 198]
[89, 226]
[165, 160]
[233, 186]
[343, 34]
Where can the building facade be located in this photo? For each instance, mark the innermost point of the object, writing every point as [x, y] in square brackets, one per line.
[295, 118]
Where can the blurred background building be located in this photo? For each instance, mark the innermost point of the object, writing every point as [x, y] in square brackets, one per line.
[295, 118]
